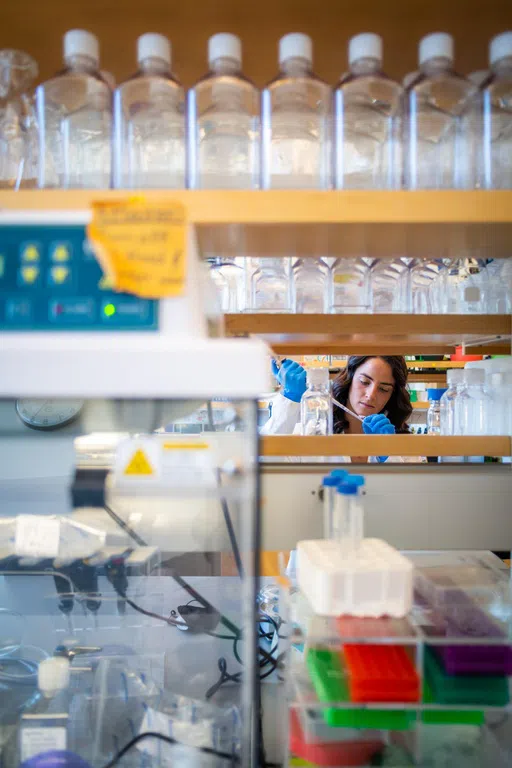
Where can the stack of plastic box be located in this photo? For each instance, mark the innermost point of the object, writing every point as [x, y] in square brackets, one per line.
[431, 689]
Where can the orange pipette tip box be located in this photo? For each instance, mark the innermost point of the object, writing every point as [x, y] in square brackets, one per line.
[380, 673]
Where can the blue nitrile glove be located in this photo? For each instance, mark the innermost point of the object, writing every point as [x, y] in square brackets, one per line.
[292, 377]
[378, 424]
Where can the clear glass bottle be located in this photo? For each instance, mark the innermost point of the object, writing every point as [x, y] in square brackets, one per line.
[18, 131]
[385, 287]
[310, 286]
[229, 278]
[296, 122]
[454, 378]
[224, 122]
[435, 155]
[434, 411]
[472, 405]
[316, 404]
[74, 116]
[367, 121]
[270, 286]
[466, 288]
[496, 170]
[349, 286]
[149, 122]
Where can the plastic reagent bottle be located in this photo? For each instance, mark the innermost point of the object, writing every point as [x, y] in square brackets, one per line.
[349, 286]
[149, 122]
[455, 378]
[316, 404]
[270, 286]
[229, 277]
[473, 404]
[296, 121]
[435, 153]
[434, 411]
[224, 122]
[74, 115]
[501, 403]
[349, 515]
[310, 286]
[368, 107]
[497, 116]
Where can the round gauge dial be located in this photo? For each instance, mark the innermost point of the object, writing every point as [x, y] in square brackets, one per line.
[47, 414]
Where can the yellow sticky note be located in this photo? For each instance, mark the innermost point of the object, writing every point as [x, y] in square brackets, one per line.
[141, 246]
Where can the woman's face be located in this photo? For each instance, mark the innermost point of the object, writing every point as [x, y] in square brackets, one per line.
[371, 387]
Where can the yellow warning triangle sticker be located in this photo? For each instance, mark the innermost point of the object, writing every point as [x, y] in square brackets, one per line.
[138, 464]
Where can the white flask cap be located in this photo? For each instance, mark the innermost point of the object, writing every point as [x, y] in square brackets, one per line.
[225, 46]
[365, 46]
[295, 46]
[78, 42]
[53, 676]
[153, 46]
[318, 377]
[436, 45]
[500, 47]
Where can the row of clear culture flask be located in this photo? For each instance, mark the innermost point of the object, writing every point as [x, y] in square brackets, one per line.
[441, 131]
[363, 285]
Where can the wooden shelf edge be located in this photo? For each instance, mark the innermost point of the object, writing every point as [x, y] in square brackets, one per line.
[296, 206]
[385, 445]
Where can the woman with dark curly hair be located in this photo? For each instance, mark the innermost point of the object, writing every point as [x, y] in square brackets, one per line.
[372, 386]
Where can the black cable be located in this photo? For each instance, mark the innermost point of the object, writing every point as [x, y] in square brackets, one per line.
[168, 740]
[126, 528]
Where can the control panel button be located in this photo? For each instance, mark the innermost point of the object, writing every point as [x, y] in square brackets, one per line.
[28, 274]
[30, 252]
[60, 253]
[124, 310]
[59, 275]
[18, 310]
[74, 310]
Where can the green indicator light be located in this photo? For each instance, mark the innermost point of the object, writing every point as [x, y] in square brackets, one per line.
[109, 310]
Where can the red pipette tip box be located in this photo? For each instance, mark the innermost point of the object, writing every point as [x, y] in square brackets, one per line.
[346, 753]
[380, 673]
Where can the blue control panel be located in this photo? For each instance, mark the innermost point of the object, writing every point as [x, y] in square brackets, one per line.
[50, 281]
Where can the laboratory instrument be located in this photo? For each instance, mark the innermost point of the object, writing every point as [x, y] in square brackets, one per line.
[128, 553]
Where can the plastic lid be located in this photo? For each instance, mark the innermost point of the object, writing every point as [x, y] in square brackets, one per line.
[365, 46]
[53, 675]
[435, 394]
[455, 375]
[347, 488]
[318, 377]
[357, 480]
[474, 376]
[437, 45]
[295, 45]
[225, 46]
[153, 46]
[500, 47]
[335, 477]
[78, 42]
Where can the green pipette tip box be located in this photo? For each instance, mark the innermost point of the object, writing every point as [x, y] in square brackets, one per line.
[452, 717]
[484, 690]
[329, 682]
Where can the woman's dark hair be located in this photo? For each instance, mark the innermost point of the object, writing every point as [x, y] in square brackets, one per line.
[398, 408]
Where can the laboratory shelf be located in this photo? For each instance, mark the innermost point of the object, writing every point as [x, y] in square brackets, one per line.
[295, 334]
[385, 445]
[316, 223]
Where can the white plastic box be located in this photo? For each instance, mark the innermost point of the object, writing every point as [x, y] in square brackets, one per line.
[377, 581]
